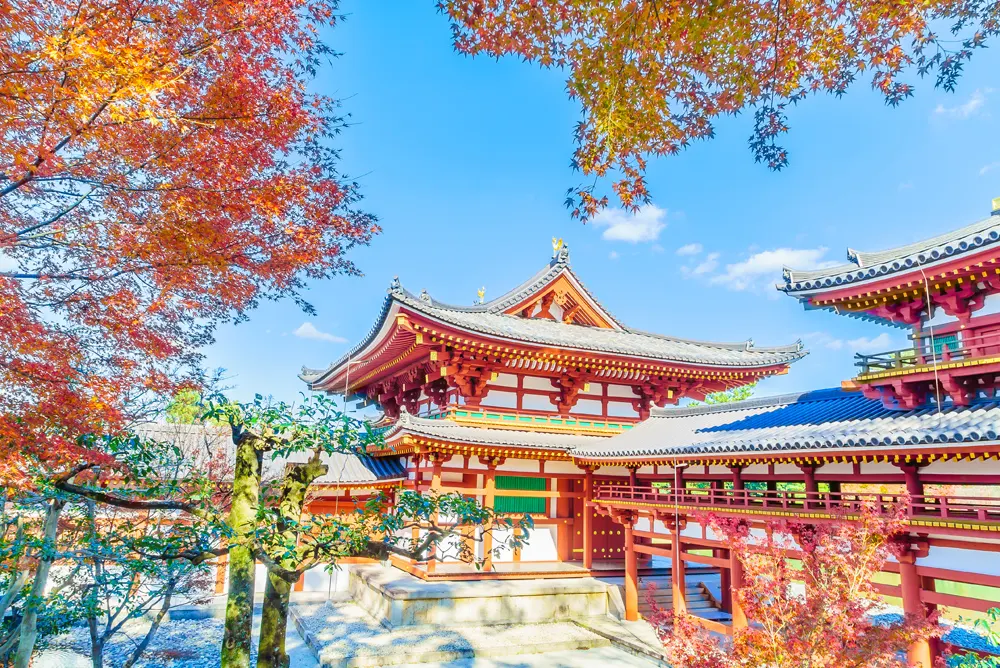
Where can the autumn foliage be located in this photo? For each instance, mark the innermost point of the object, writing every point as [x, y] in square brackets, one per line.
[163, 167]
[652, 75]
[809, 595]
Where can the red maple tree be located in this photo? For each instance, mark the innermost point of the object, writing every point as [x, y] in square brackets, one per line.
[809, 595]
[163, 167]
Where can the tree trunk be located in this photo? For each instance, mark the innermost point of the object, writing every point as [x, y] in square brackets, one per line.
[236, 642]
[29, 623]
[273, 623]
[271, 649]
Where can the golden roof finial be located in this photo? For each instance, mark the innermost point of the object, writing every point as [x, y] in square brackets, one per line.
[482, 294]
[556, 245]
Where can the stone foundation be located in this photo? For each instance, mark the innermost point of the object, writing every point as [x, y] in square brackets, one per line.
[397, 599]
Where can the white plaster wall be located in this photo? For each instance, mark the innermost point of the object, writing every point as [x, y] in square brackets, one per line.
[619, 409]
[520, 465]
[955, 559]
[587, 406]
[499, 399]
[756, 469]
[621, 391]
[534, 402]
[505, 379]
[786, 469]
[562, 467]
[987, 467]
[880, 468]
[541, 545]
[537, 383]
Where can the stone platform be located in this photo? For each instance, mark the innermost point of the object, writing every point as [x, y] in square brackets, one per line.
[397, 599]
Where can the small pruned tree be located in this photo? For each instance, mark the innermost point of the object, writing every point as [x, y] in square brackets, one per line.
[262, 514]
[809, 596]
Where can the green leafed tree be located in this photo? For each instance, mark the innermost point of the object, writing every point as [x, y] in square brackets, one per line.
[256, 518]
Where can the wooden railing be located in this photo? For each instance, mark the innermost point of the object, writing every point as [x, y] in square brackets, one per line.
[944, 349]
[982, 509]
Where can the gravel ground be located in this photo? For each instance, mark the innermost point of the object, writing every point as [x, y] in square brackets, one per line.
[959, 635]
[182, 643]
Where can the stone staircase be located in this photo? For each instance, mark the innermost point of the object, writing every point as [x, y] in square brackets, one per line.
[699, 602]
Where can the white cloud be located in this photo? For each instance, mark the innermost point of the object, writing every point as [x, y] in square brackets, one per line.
[986, 169]
[862, 344]
[766, 266]
[905, 186]
[971, 107]
[690, 249]
[643, 226]
[308, 331]
[875, 344]
[613, 255]
[709, 264]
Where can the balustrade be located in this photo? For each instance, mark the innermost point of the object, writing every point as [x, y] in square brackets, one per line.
[983, 509]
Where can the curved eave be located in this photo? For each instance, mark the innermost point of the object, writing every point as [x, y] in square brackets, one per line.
[964, 245]
[401, 302]
[782, 355]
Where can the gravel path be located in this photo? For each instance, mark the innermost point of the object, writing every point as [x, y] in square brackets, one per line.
[181, 643]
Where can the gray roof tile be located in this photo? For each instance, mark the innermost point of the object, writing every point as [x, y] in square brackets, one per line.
[489, 319]
[867, 266]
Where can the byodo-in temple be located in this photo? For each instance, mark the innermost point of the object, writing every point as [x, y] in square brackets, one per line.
[542, 402]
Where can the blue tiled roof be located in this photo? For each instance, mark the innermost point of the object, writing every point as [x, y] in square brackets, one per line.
[383, 468]
[820, 420]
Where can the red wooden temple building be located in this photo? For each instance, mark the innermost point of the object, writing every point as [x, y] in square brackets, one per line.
[542, 402]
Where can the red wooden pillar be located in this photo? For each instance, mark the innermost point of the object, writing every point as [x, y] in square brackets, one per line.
[631, 574]
[735, 584]
[725, 582]
[632, 479]
[914, 485]
[812, 489]
[588, 518]
[677, 573]
[920, 654]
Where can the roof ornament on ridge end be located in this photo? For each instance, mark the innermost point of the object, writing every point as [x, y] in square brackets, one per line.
[854, 256]
[560, 252]
[425, 296]
[395, 286]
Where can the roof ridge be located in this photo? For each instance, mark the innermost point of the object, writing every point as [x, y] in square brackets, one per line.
[866, 265]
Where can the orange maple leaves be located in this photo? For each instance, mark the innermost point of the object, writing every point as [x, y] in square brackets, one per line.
[651, 75]
[163, 166]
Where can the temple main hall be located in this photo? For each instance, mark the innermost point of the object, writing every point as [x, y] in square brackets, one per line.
[542, 402]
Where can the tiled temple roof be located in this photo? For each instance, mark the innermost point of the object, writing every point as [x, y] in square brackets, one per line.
[451, 432]
[201, 443]
[819, 420]
[489, 319]
[868, 266]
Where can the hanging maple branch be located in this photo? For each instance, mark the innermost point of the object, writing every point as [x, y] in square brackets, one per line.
[652, 76]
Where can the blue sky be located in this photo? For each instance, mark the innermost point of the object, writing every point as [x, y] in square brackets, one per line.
[466, 162]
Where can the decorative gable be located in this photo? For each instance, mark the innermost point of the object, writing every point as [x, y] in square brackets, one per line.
[563, 299]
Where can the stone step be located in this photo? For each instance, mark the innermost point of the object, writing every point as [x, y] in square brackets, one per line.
[344, 636]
